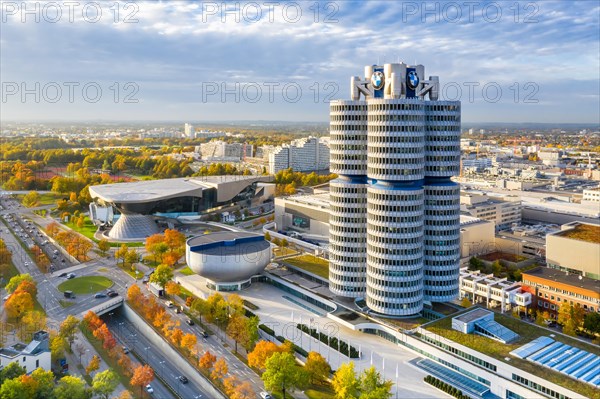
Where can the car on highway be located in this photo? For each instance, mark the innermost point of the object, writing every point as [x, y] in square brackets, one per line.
[190, 322]
[100, 295]
[265, 395]
[112, 293]
[169, 304]
[149, 388]
[183, 379]
[125, 350]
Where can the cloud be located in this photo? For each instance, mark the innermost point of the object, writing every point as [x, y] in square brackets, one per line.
[176, 47]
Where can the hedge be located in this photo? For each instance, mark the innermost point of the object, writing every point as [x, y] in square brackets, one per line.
[331, 341]
[442, 386]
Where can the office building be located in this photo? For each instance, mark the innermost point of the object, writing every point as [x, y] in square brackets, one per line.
[218, 150]
[582, 239]
[503, 211]
[553, 288]
[302, 155]
[394, 222]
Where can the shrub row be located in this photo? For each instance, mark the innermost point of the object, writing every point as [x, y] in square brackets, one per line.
[331, 341]
[442, 386]
[281, 339]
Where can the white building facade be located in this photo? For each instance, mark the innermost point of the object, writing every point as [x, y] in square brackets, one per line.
[395, 153]
[302, 155]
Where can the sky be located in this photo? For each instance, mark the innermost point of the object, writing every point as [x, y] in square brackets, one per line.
[528, 61]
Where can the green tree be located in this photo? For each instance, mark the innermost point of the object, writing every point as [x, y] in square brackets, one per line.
[571, 318]
[13, 389]
[15, 281]
[104, 383]
[317, 368]
[162, 275]
[70, 387]
[283, 373]
[12, 370]
[68, 328]
[267, 236]
[591, 322]
[344, 382]
[253, 336]
[373, 386]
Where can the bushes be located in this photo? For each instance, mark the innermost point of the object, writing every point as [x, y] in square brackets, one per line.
[442, 386]
[281, 339]
[327, 340]
[267, 330]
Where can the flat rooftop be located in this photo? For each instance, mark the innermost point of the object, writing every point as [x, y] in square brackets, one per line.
[316, 200]
[153, 190]
[228, 243]
[582, 232]
[562, 277]
[472, 315]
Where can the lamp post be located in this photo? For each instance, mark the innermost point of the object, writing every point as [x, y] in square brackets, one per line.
[146, 348]
[162, 368]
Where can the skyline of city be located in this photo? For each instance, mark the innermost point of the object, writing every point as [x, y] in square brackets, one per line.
[534, 53]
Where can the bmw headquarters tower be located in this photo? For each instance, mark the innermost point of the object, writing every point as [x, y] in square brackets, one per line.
[394, 222]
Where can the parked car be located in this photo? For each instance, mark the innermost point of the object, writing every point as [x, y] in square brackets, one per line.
[100, 295]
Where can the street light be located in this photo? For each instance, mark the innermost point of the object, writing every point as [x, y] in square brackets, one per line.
[162, 368]
[146, 348]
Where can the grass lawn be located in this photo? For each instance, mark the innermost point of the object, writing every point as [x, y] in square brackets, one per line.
[8, 273]
[310, 263]
[86, 285]
[186, 271]
[65, 304]
[320, 392]
[527, 332]
[88, 229]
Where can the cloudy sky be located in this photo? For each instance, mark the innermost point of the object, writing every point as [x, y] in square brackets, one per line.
[532, 61]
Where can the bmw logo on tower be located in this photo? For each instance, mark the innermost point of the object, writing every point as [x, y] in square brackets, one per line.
[412, 79]
[378, 80]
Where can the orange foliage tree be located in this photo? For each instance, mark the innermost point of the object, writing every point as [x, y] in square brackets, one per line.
[207, 360]
[262, 351]
[142, 376]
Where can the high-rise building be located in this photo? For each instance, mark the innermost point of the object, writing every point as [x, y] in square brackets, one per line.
[189, 131]
[302, 155]
[394, 222]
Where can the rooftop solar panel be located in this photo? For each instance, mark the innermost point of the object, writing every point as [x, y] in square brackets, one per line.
[570, 360]
[567, 354]
[545, 351]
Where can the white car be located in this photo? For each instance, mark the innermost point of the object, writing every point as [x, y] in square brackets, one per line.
[149, 388]
[265, 395]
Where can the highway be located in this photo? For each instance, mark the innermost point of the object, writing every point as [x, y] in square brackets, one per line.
[129, 336]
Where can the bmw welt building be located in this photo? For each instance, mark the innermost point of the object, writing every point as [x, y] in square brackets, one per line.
[394, 222]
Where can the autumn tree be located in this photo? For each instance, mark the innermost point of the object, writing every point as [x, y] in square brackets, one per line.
[12, 370]
[373, 385]
[103, 246]
[57, 347]
[93, 365]
[68, 328]
[31, 199]
[121, 254]
[172, 288]
[19, 303]
[134, 294]
[44, 380]
[344, 382]
[236, 329]
[317, 368]
[262, 351]
[282, 372]
[465, 302]
[156, 245]
[142, 376]
[188, 343]
[219, 370]
[104, 383]
[207, 360]
[15, 281]
[31, 322]
[70, 387]
[571, 317]
[162, 274]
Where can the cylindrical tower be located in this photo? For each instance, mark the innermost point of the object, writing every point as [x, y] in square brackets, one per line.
[442, 201]
[348, 198]
[396, 149]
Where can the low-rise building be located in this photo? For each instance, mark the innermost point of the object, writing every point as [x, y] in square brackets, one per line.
[476, 236]
[552, 288]
[503, 211]
[591, 196]
[32, 356]
[575, 249]
[492, 291]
